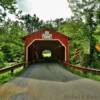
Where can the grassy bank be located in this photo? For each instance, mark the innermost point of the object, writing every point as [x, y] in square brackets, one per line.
[8, 76]
[84, 74]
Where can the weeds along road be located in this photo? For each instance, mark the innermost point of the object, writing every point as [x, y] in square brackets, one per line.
[49, 82]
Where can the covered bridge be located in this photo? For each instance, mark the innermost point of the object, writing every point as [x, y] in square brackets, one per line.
[43, 41]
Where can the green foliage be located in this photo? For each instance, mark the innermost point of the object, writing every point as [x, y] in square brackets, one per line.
[70, 27]
[7, 3]
[11, 52]
[7, 6]
[96, 60]
[11, 44]
[31, 23]
[84, 74]
[49, 24]
[96, 34]
[2, 57]
[8, 76]
[85, 60]
[89, 12]
[5, 77]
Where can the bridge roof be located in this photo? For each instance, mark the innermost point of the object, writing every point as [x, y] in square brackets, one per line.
[43, 30]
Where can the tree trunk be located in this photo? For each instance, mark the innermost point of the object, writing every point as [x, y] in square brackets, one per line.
[92, 48]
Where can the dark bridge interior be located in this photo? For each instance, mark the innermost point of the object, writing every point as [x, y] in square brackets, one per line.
[55, 48]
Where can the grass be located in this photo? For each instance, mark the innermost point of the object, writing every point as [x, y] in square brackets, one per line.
[89, 75]
[5, 77]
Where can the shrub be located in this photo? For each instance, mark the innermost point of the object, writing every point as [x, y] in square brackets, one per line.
[1, 59]
[85, 60]
[11, 52]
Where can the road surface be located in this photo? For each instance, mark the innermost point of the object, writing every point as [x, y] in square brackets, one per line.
[49, 82]
[49, 71]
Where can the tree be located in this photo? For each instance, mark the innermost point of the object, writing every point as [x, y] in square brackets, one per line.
[6, 6]
[49, 24]
[84, 10]
[11, 45]
[58, 22]
[32, 23]
[71, 27]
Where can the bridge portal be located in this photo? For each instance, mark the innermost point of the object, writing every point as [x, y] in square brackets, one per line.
[46, 46]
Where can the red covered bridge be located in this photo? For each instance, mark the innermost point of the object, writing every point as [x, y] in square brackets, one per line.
[46, 40]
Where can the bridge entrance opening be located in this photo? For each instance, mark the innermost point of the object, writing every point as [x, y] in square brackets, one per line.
[46, 51]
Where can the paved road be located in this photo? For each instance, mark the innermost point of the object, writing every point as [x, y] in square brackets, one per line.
[46, 71]
[49, 82]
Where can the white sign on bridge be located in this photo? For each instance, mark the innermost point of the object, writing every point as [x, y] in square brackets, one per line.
[47, 36]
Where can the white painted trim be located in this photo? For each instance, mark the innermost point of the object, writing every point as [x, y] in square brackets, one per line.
[43, 40]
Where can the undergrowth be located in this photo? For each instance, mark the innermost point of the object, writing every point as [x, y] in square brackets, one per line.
[89, 75]
[5, 77]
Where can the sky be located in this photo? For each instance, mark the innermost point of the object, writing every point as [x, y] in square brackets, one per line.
[45, 9]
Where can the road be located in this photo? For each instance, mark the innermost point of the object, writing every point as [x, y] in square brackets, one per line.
[46, 71]
[49, 82]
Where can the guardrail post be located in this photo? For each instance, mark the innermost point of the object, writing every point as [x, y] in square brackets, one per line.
[12, 71]
[85, 72]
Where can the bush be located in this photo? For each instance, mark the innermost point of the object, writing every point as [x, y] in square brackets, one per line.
[84, 74]
[1, 59]
[96, 60]
[11, 52]
[85, 60]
